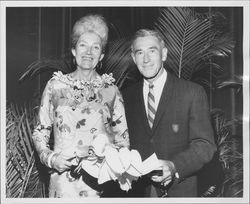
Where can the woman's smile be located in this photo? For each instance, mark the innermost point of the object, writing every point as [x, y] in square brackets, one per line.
[87, 58]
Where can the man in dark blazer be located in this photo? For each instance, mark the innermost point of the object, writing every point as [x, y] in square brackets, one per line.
[178, 130]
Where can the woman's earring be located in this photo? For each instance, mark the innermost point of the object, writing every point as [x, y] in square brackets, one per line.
[99, 66]
[74, 61]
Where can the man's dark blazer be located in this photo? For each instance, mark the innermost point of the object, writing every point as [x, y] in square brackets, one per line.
[181, 132]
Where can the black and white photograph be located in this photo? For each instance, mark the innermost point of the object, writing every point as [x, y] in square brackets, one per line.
[124, 101]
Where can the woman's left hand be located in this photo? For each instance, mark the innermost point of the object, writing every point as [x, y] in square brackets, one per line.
[61, 163]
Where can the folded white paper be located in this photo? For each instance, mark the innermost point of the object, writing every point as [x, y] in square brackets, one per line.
[150, 164]
[119, 164]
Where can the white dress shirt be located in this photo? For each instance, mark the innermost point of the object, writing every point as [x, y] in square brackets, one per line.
[158, 87]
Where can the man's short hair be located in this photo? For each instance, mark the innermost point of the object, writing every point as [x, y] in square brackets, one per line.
[145, 33]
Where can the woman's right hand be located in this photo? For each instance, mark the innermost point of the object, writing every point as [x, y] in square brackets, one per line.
[61, 163]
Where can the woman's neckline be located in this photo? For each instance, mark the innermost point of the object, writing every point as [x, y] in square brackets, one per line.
[94, 76]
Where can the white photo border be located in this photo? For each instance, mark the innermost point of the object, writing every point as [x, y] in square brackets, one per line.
[147, 3]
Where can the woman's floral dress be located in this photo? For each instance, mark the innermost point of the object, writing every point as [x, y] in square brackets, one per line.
[77, 111]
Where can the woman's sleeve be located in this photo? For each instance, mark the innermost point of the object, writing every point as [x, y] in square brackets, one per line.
[119, 122]
[41, 134]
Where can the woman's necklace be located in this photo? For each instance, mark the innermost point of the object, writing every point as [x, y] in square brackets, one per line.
[85, 89]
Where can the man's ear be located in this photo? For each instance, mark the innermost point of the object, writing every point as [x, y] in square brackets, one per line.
[164, 54]
[73, 51]
[133, 56]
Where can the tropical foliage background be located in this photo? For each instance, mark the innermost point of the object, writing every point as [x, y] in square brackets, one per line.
[195, 42]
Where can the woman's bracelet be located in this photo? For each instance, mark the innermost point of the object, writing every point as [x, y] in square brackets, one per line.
[53, 159]
[48, 157]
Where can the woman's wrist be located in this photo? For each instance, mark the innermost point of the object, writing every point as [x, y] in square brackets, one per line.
[52, 158]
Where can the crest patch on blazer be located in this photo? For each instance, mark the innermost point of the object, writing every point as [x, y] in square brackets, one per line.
[175, 127]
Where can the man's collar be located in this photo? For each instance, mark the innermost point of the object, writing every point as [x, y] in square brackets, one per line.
[159, 80]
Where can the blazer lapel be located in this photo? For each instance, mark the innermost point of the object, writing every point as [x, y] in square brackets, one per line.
[142, 109]
[166, 95]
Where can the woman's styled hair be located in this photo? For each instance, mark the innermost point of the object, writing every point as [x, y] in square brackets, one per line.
[145, 33]
[90, 23]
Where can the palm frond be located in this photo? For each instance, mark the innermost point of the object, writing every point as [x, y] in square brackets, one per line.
[206, 74]
[209, 191]
[191, 39]
[42, 65]
[185, 36]
[236, 83]
[20, 160]
[220, 46]
[118, 60]
[230, 155]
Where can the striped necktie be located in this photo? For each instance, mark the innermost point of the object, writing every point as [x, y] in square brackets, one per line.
[151, 105]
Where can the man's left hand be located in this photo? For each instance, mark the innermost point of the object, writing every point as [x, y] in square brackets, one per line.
[168, 169]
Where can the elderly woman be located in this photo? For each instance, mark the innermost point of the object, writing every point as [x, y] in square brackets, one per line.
[79, 106]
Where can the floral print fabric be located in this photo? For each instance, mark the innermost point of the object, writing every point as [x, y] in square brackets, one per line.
[77, 111]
